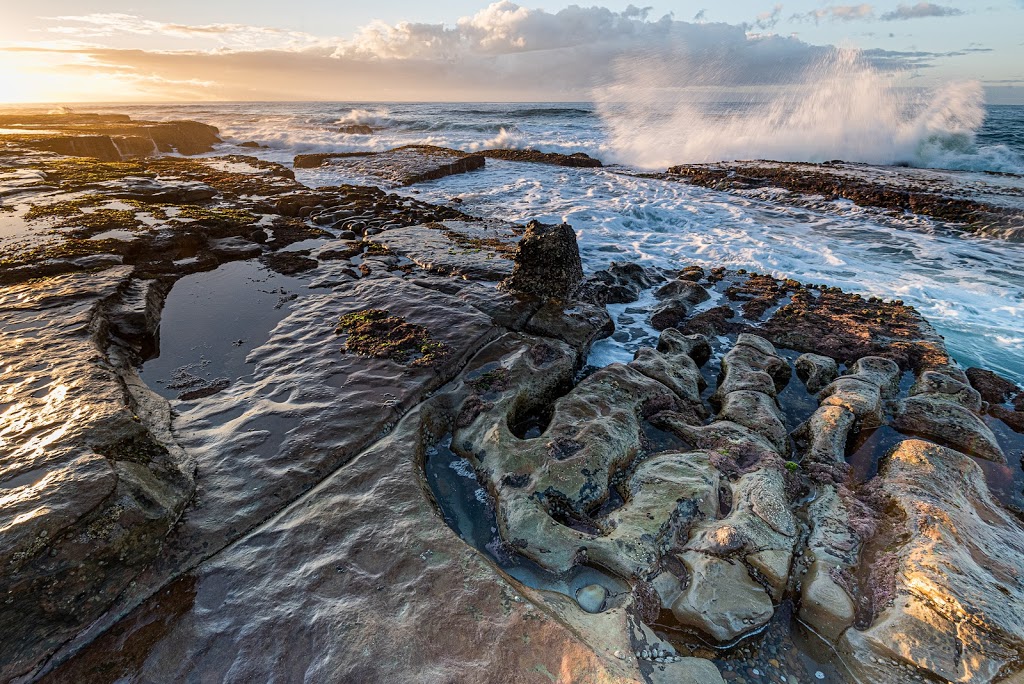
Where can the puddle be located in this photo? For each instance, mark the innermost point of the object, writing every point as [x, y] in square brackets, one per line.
[212, 320]
[783, 651]
[468, 509]
[796, 402]
[1006, 481]
[865, 448]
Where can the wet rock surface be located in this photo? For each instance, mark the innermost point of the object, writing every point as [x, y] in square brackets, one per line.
[419, 458]
[577, 160]
[978, 207]
[400, 166]
[107, 137]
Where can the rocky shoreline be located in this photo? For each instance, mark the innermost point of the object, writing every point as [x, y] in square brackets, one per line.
[978, 206]
[423, 478]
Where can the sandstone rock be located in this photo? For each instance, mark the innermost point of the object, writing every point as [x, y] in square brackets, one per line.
[951, 389]
[824, 604]
[816, 371]
[934, 416]
[722, 600]
[959, 593]
[90, 492]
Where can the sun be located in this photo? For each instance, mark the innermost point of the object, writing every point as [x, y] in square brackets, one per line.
[16, 82]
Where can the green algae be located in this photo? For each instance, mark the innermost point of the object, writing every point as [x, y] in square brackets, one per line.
[73, 173]
[376, 333]
[232, 217]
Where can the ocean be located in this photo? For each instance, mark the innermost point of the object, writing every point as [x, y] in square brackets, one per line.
[970, 287]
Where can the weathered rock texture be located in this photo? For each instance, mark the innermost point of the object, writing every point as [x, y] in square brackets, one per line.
[547, 263]
[91, 480]
[400, 166]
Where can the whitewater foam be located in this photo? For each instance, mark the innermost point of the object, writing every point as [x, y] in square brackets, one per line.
[842, 108]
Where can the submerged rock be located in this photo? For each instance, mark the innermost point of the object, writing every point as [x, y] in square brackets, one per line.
[592, 597]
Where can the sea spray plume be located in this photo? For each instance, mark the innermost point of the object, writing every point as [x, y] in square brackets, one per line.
[676, 108]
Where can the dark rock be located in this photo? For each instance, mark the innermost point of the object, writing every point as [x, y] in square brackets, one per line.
[356, 129]
[620, 283]
[578, 159]
[547, 263]
[402, 166]
[289, 263]
[993, 388]
[678, 299]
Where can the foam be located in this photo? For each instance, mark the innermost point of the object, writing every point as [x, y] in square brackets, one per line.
[842, 108]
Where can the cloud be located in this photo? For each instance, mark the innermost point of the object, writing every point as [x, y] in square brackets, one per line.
[503, 52]
[838, 13]
[920, 11]
[104, 25]
[767, 20]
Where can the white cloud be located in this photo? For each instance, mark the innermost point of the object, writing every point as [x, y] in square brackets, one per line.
[838, 13]
[920, 11]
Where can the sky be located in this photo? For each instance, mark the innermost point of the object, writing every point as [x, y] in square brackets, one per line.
[66, 51]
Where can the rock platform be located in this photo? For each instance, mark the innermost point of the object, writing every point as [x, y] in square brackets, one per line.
[788, 479]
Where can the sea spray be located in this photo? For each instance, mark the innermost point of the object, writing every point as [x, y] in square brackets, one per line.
[670, 109]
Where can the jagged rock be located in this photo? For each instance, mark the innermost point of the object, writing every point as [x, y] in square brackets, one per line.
[618, 284]
[547, 263]
[1005, 399]
[356, 129]
[816, 371]
[677, 301]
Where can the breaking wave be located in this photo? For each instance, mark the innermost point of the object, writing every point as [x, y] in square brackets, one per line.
[842, 108]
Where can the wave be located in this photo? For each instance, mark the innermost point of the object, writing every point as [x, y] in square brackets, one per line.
[842, 108]
[369, 117]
